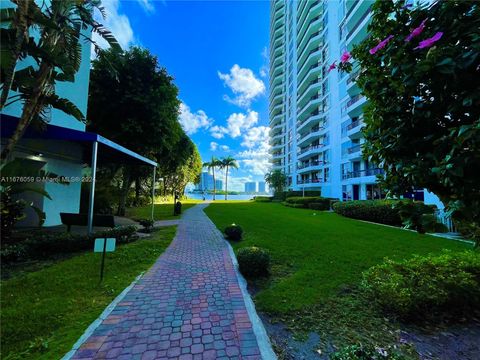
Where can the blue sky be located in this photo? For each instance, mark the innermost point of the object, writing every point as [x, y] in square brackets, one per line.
[217, 53]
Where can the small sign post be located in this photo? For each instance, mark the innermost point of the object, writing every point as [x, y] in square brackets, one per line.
[104, 245]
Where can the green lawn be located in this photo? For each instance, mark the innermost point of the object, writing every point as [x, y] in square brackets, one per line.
[161, 211]
[317, 256]
[45, 312]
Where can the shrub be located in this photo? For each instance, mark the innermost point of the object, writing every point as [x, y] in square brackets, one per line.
[41, 245]
[279, 196]
[147, 224]
[417, 216]
[253, 262]
[262, 199]
[11, 211]
[307, 193]
[12, 252]
[299, 202]
[379, 211]
[233, 232]
[426, 285]
[296, 206]
[469, 230]
[123, 234]
[322, 204]
[362, 352]
[283, 195]
[319, 206]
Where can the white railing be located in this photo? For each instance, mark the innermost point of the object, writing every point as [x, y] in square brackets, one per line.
[446, 220]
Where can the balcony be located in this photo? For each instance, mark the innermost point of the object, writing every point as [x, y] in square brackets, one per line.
[354, 129]
[354, 149]
[310, 135]
[275, 138]
[278, 146]
[309, 181]
[313, 10]
[275, 129]
[313, 119]
[353, 106]
[276, 119]
[309, 102]
[309, 148]
[311, 164]
[306, 151]
[307, 57]
[362, 173]
[359, 22]
[277, 155]
[352, 79]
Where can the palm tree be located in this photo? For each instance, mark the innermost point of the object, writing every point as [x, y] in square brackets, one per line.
[228, 162]
[211, 166]
[57, 54]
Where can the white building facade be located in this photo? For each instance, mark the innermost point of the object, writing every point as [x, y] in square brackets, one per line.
[316, 115]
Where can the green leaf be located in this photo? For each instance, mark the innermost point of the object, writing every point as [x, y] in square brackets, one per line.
[64, 105]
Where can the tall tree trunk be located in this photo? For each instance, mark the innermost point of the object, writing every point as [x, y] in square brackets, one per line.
[21, 36]
[32, 107]
[137, 190]
[226, 182]
[124, 192]
[214, 185]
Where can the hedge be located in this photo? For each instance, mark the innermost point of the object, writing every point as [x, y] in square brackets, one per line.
[379, 211]
[310, 202]
[263, 199]
[283, 195]
[41, 245]
[424, 286]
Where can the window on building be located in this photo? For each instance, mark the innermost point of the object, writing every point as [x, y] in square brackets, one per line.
[326, 175]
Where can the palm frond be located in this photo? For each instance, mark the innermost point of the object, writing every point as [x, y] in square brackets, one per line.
[64, 105]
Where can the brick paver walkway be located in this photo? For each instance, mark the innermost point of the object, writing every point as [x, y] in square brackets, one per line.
[188, 306]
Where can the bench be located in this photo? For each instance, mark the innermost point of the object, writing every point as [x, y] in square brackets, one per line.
[70, 219]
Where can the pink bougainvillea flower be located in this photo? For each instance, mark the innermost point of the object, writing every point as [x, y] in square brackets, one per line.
[430, 41]
[380, 45]
[417, 31]
[333, 66]
[345, 57]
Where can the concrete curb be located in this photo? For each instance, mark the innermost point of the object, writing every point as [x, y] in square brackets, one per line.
[263, 340]
[91, 328]
[440, 235]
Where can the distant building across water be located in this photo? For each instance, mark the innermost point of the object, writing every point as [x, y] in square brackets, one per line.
[206, 183]
[251, 187]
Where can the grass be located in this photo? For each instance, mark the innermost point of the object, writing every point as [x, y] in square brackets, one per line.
[162, 211]
[46, 311]
[318, 258]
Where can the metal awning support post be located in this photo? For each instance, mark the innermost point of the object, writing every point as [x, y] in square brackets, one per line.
[153, 191]
[92, 186]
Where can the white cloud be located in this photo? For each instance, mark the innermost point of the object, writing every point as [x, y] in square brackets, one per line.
[225, 147]
[256, 158]
[213, 146]
[116, 22]
[237, 183]
[238, 122]
[192, 122]
[218, 132]
[147, 5]
[255, 136]
[264, 69]
[243, 84]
